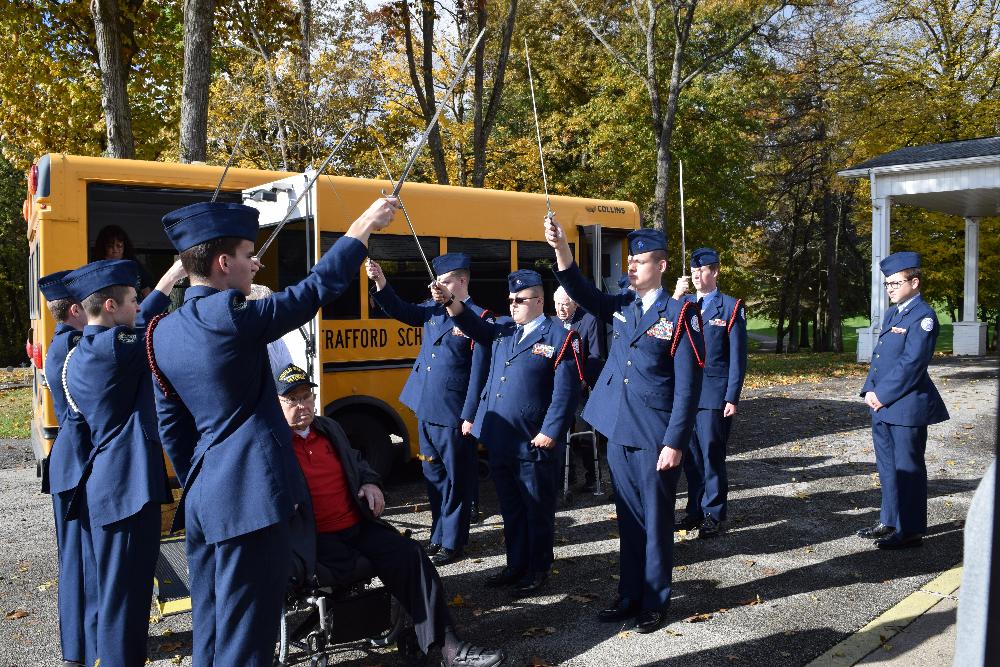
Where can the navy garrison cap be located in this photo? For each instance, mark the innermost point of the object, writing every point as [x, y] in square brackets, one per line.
[898, 261]
[451, 261]
[197, 223]
[52, 286]
[523, 279]
[645, 240]
[98, 275]
[704, 257]
[290, 377]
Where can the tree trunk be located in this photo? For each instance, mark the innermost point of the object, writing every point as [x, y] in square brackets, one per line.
[198, 21]
[114, 79]
[484, 119]
[423, 82]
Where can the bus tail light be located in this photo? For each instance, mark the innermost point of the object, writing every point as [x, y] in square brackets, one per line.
[26, 210]
[36, 356]
[27, 350]
[33, 180]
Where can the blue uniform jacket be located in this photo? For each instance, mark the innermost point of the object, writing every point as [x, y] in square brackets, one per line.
[71, 448]
[591, 355]
[441, 389]
[898, 372]
[108, 378]
[647, 394]
[532, 387]
[725, 331]
[222, 425]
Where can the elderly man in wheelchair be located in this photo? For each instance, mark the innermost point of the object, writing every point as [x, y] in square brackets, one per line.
[352, 544]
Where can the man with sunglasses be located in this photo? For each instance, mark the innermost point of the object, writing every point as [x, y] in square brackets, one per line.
[903, 401]
[645, 403]
[524, 413]
[443, 393]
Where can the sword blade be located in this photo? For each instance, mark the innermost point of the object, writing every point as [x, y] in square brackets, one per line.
[430, 126]
[232, 154]
[683, 244]
[406, 215]
[538, 131]
[319, 172]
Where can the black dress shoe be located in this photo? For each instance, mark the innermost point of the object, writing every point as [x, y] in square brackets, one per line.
[900, 541]
[504, 577]
[876, 531]
[619, 611]
[446, 555]
[648, 621]
[689, 522]
[475, 656]
[709, 528]
[71, 663]
[529, 583]
[432, 548]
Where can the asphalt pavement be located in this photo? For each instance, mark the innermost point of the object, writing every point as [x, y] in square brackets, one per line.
[787, 581]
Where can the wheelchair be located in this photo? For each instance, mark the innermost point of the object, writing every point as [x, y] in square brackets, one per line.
[320, 617]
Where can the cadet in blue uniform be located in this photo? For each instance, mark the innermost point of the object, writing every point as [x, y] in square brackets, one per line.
[644, 403]
[524, 412]
[444, 396]
[725, 328]
[592, 356]
[106, 379]
[903, 402]
[62, 472]
[222, 427]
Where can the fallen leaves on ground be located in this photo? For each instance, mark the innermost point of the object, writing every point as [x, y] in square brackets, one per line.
[457, 601]
[698, 618]
[539, 662]
[16, 614]
[44, 586]
[583, 597]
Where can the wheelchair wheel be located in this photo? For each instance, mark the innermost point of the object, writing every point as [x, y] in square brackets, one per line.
[398, 620]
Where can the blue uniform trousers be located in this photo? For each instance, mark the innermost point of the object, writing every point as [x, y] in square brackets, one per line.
[451, 482]
[125, 553]
[250, 573]
[77, 584]
[527, 492]
[899, 457]
[705, 465]
[644, 499]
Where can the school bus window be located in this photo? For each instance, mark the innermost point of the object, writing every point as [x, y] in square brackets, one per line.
[291, 258]
[490, 268]
[537, 256]
[403, 267]
[348, 305]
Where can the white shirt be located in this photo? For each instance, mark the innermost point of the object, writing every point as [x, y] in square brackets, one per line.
[650, 298]
[530, 326]
[302, 434]
[706, 299]
[906, 303]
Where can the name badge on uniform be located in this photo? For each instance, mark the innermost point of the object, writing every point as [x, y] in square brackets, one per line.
[126, 338]
[718, 323]
[544, 350]
[899, 330]
[455, 331]
[618, 316]
[664, 329]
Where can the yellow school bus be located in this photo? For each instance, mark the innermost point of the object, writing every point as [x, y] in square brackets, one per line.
[358, 357]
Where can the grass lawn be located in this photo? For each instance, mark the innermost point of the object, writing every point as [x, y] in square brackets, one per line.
[766, 369]
[849, 328]
[15, 413]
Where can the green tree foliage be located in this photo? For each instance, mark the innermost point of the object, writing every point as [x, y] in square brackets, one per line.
[13, 267]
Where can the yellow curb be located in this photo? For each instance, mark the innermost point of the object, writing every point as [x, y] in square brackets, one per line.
[869, 638]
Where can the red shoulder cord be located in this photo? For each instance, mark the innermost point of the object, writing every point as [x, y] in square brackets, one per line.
[485, 314]
[732, 318]
[682, 322]
[157, 373]
[567, 343]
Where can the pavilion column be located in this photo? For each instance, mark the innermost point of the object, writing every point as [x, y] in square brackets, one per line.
[867, 336]
[969, 334]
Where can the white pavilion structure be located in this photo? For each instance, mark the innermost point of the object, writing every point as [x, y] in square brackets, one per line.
[958, 178]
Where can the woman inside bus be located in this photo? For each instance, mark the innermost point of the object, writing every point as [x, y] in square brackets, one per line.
[113, 243]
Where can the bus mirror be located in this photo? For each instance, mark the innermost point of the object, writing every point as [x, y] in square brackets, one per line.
[264, 195]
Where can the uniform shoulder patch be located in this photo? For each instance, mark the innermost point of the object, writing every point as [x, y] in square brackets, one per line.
[576, 345]
[127, 338]
[695, 324]
[927, 324]
[743, 314]
[239, 303]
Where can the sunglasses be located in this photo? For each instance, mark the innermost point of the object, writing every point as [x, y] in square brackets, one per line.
[521, 299]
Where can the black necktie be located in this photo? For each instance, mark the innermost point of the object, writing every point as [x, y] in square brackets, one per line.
[638, 308]
[701, 300]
